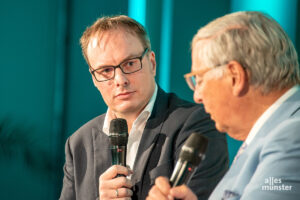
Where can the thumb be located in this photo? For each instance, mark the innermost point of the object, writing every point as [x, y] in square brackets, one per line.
[183, 192]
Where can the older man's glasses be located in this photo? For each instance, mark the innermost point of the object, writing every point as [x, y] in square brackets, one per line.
[191, 77]
[129, 66]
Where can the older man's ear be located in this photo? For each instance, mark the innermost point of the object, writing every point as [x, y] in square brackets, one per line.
[239, 78]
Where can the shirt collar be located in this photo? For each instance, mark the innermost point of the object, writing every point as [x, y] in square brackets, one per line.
[268, 113]
[145, 113]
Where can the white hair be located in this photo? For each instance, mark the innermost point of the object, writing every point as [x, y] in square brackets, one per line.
[257, 42]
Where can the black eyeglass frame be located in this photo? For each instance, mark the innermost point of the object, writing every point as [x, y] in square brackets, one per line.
[119, 66]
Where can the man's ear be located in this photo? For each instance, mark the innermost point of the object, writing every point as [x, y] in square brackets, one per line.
[239, 78]
[153, 62]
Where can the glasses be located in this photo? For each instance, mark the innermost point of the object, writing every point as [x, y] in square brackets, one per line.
[191, 77]
[127, 67]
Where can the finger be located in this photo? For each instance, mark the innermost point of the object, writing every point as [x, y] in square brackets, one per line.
[155, 193]
[122, 182]
[115, 183]
[123, 192]
[116, 193]
[183, 192]
[163, 185]
[113, 171]
[130, 170]
[149, 198]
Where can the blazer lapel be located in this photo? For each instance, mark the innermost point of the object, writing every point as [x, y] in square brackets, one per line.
[102, 153]
[150, 135]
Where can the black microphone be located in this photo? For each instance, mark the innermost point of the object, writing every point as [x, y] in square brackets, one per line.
[191, 154]
[118, 135]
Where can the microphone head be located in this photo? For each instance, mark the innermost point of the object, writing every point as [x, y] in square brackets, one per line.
[193, 150]
[118, 132]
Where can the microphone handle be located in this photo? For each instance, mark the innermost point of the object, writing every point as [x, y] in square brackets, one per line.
[182, 173]
[118, 155]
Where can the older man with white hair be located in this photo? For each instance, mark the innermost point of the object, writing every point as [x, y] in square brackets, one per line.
[245, 71]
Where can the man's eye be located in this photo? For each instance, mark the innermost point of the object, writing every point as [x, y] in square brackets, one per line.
[198, 80]
[131, 63]
[105, 70]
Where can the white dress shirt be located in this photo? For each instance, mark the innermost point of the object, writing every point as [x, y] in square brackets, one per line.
[268, 113]
[136, 131]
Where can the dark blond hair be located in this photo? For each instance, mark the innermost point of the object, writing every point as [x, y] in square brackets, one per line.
[108, 23]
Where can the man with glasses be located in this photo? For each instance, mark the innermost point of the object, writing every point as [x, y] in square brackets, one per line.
[123, 67]
[245, 71]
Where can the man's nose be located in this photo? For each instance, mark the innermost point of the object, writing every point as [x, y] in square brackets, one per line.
[198, 96]
[120, 78]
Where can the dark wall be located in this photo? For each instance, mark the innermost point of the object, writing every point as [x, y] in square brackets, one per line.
[46, 91]
[27, 56]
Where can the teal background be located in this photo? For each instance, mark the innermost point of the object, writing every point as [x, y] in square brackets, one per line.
[46, 91]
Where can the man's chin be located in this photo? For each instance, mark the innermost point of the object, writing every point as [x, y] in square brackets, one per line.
[221, 128]
[237, 135]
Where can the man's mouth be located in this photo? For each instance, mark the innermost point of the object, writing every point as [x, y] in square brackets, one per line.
[124, 95]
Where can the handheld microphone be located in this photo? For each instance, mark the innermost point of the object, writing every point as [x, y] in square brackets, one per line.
[118, 135]
[191, 154]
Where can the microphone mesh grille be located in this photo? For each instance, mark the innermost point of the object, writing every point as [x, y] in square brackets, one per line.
[118, 125]
[194, 148]
[118, 132]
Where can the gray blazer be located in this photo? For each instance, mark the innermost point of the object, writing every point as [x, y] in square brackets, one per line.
[172, 120]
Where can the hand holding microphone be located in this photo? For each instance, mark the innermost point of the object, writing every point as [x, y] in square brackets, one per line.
[113, 183]
[191, 154]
